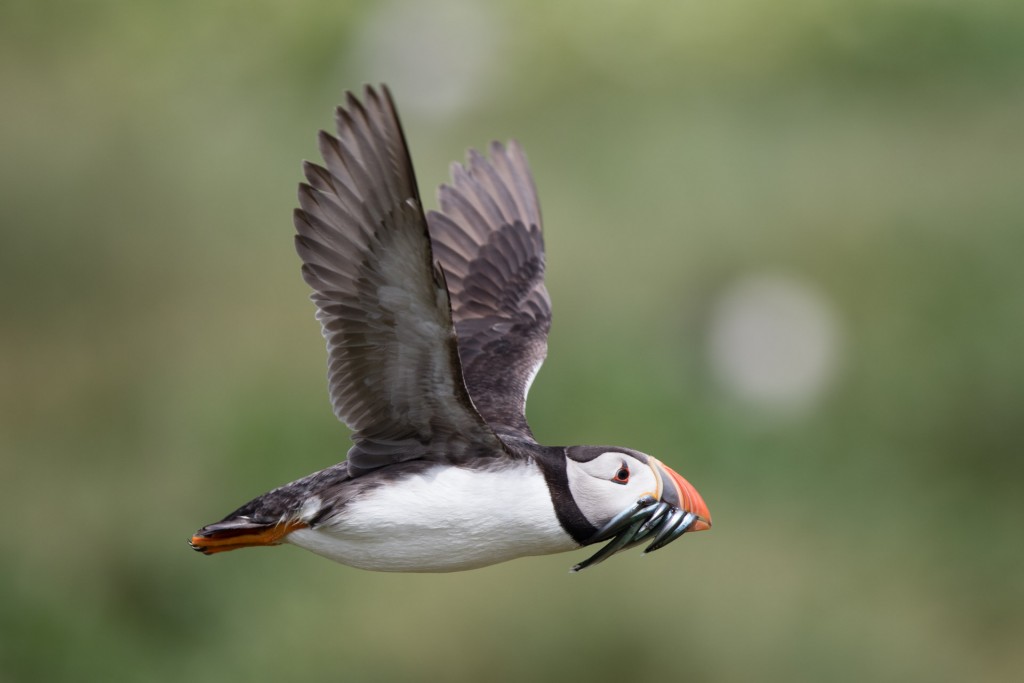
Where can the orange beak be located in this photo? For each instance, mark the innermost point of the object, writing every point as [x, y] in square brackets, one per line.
[666, 513]
[679, 492]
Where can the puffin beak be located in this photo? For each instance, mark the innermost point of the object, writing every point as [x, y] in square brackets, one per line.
[680, 493]
[656, 518]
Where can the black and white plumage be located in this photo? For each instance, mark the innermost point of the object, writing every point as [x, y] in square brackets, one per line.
[436, 326]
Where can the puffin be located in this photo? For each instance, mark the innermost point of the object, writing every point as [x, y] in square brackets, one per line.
[436, 325]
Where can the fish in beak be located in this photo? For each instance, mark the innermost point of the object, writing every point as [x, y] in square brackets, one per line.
[659, 517]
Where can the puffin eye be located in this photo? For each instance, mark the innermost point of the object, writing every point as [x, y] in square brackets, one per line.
[622, 476]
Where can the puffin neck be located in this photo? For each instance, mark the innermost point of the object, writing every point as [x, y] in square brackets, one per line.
[552, 464]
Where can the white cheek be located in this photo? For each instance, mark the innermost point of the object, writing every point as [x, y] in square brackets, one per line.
[600, 499]
[643, 483]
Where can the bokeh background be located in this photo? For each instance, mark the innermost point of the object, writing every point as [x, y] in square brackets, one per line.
[785, 245]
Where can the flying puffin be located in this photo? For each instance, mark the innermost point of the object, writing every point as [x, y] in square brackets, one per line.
[436, 325]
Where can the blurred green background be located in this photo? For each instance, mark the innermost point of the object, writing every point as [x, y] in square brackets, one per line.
[784, 248]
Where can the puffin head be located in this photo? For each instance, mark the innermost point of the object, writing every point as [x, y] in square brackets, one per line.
[631, 498]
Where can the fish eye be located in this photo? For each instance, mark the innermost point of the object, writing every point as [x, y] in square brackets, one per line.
[622, 476]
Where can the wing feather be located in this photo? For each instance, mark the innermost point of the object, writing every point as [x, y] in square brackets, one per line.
[394, 373]
[487, 237]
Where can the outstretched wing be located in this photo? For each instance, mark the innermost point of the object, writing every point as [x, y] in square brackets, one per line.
[488, 239]
[393, 365]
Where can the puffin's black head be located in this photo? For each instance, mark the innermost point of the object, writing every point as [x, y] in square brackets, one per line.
[631, 498]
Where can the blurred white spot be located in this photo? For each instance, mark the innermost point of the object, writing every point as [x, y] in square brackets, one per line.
[433, 55]
[774, 341]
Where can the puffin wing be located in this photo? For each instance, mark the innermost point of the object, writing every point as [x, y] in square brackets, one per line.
[393, 365]
[487, 237]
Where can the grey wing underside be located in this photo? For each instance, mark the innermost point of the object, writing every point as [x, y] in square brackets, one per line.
[393, 366]
[487, 237]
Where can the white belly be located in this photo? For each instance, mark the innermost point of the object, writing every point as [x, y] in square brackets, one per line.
[442, 520]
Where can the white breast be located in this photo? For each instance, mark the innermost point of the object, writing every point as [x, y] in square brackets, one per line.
[441, 520]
